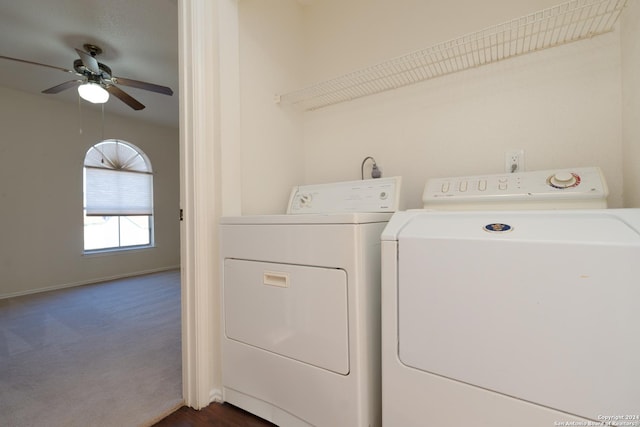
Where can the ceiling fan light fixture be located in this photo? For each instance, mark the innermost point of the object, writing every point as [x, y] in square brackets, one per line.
[93, 93]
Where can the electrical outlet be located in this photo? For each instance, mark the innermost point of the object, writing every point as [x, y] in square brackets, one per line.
[514, 161]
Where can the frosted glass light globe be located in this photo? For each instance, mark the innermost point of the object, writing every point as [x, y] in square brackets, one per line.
[93, 93]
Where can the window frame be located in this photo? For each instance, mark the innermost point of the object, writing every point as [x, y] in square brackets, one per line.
[119, 218]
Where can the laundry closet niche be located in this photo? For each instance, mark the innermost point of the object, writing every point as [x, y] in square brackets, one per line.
[562, 105]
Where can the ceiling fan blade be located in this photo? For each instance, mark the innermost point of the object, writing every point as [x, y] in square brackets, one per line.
[124, 97]
[144, 85]
[62, 86]
[37, 63]
[89, 61]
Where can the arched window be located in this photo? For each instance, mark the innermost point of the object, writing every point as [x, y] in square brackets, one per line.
[118, 197]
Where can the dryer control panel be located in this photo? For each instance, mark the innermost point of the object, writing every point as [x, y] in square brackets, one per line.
[368, 195]
[549, 189]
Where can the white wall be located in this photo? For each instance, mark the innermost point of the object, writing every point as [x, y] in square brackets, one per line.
[563, 105]
[631, 103]
[271, 49]
[342, 36]
[41, 157]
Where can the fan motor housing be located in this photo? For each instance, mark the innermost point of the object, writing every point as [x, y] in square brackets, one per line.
[81, 69]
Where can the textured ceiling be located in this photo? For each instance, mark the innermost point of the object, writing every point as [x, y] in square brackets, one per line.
[139, 39]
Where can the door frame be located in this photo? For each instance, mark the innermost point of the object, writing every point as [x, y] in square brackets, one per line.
[209, 187]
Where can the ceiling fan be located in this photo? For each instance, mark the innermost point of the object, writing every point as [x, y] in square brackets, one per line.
[96, 76]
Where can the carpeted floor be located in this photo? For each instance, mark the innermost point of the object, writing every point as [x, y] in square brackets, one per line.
[98, 355]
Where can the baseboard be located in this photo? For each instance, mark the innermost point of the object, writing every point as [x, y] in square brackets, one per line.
[89, 281]
[216, 396]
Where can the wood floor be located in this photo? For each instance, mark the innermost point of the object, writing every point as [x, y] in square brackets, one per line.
[214, 415]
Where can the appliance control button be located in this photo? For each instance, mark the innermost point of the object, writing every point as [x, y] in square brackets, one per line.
[305, 199]
[563, 177]
[482, 185]
[463, 186]
[445, 187]
[502, 186]
[563, 180]
[383, 195]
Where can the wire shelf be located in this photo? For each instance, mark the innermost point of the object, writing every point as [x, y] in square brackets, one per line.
[567, 22]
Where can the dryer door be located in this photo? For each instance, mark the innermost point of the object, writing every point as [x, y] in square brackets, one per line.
[296, 311]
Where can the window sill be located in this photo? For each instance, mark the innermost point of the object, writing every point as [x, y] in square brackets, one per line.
[117, 251]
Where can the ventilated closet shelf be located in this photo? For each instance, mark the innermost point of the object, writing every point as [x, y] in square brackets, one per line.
[567, 22]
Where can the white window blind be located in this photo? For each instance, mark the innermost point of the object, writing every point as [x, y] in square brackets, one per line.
[115, 192]
[118, 180]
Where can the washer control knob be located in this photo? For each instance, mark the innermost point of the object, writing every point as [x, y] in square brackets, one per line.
[563, 180]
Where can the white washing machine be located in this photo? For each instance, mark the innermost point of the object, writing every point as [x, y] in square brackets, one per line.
[512, 317]
[301, 306]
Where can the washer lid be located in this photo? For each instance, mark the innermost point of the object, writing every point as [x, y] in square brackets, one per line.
[328, 218]
[539, 226]
[602, 225]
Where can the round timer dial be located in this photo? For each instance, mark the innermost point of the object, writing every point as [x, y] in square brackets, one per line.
[564, 180]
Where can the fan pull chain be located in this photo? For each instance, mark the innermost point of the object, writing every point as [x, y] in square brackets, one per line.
[102, 127]
[79, 115]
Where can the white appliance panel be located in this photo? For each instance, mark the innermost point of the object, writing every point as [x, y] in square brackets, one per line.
[546, 312]
[368, 195]
[301, 306]
[550, 189]
[332, 218]
[450, 403]
[284, 309]
[286, 391]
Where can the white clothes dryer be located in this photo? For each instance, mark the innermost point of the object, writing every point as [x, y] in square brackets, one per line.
[301, 306]
[511, 317]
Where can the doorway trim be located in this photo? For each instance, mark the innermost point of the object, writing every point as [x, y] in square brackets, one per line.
[199, 192]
